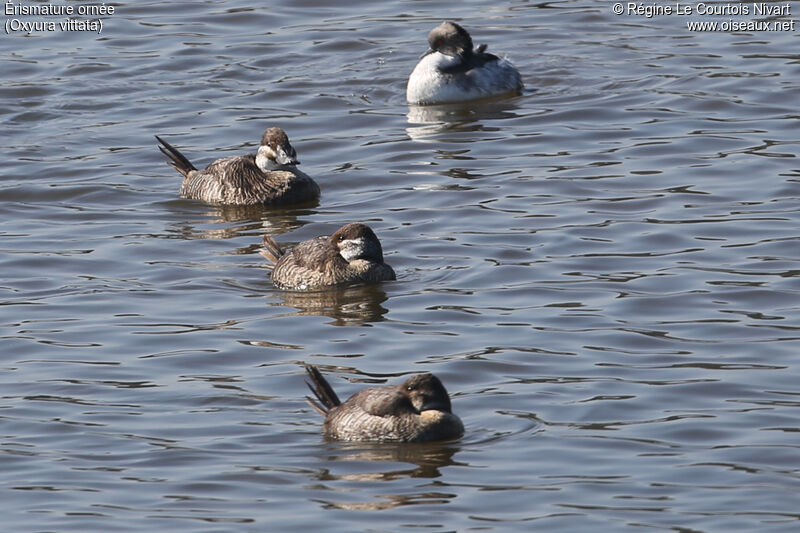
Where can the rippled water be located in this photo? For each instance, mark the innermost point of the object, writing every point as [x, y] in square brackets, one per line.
[603, 271]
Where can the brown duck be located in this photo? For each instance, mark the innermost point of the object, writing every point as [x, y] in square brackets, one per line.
[267, 177]
[352, 254]
[418, 410]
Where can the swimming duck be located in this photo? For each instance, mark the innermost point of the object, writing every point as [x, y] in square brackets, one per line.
[452, 71]
[352, 254]
[417, 410]
[267, 177]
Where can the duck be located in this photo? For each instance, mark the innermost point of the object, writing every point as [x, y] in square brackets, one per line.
[352, 254]
[417, 410]
[453, 71]
[268, 177]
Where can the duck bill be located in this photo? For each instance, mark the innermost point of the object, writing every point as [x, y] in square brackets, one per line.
[284, 157]
[434, 405]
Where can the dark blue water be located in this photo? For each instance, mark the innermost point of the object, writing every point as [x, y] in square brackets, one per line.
[603, 272]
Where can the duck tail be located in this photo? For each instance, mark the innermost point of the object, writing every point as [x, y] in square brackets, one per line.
[271, 250]
[322, 390]
[177, 160]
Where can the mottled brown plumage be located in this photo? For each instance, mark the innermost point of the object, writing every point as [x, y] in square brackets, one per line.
[417, 410]
[267, 177]
[352, 254]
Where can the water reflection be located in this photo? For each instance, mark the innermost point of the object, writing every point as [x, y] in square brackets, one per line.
[237, 213]
[436, 119]
[392, 501]
[425, 460]
[347, 306]
[235, 221]
[428, 458]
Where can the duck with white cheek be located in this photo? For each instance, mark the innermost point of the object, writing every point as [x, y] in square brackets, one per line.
[353, 254]
[268, 177]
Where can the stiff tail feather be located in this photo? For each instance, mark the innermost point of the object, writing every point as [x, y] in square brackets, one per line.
[322, 390]
[271, 250]
[177, 160]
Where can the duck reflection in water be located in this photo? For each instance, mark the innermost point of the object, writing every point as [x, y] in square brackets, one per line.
[417, 410]
[426, 458]
[455, 122]
[198, 221]
[348, 306]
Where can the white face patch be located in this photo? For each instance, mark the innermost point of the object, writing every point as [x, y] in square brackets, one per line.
[351, 248]
[265, 158]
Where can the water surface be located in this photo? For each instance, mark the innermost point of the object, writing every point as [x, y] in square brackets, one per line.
[603, 271]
